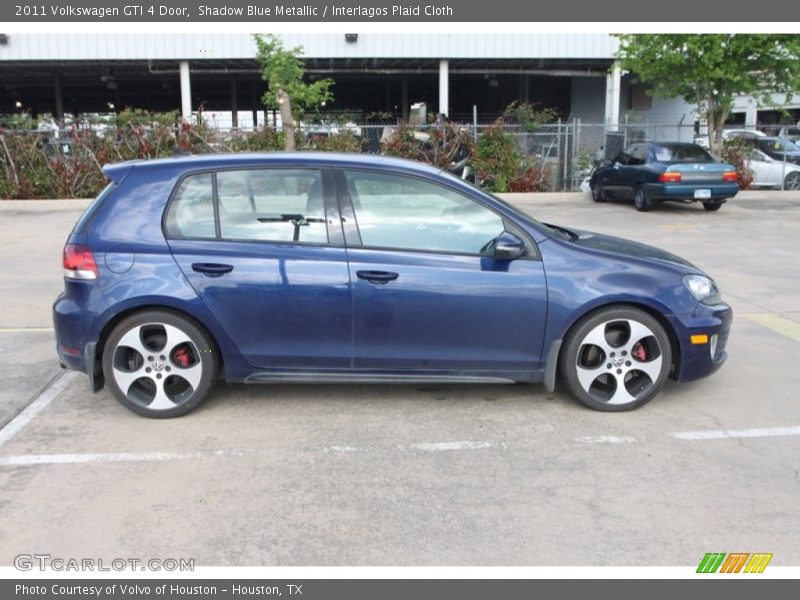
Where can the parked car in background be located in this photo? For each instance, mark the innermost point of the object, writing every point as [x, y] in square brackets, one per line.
[778, 148]
[650, 172]
[342, 267]
[770, 173]
[730, 134]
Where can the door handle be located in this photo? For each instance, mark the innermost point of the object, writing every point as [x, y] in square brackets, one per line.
[379, 277]
[211, 269]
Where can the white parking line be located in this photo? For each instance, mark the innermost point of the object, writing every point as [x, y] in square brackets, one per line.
[38, 405]
[718, 434]
[606, 439]
[445, 446]
[66, 459]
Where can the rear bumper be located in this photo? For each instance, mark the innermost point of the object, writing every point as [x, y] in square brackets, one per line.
[700, 359]
[76, 323]
[685, 191]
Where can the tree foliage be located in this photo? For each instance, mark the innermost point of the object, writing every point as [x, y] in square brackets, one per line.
[283, 70]
[710, 70]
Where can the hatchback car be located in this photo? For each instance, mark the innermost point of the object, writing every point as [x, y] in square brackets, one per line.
[652, 172]
[331, 268]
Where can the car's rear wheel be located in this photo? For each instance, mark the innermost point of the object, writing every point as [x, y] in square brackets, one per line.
[642, 200]
[792, 181]
[713, 205]
[616, 359]
[159, 364]
[598, 194]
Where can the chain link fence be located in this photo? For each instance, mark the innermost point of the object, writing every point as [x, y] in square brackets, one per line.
[566, 150]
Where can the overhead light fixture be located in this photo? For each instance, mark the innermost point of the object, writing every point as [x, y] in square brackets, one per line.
[110, 105]
[493, 82]
[18, 103]
[351, 38]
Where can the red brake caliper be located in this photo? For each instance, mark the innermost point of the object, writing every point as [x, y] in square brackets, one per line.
[180, 356]
[639, 353]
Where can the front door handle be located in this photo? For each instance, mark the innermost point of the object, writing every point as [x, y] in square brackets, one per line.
[379, 277]
[211, 269]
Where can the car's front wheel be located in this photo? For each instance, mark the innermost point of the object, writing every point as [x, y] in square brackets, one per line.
[616, 359]
[159, 364]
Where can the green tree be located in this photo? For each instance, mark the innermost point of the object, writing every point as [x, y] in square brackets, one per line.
[283, 72]
[710, 70]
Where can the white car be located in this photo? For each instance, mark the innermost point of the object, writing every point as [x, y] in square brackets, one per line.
[729, 134]
[769, 173]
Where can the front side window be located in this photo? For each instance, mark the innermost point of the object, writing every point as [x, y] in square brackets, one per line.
[276, 205]
[406, 213]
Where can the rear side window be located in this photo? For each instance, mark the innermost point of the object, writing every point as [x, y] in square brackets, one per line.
[191, 212]
[272, 205]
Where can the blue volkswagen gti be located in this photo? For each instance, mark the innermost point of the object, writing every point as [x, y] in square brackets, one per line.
[346, 268]
[652, 172]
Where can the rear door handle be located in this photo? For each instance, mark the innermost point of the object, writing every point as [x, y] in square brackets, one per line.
[380, 277]
[211, 269]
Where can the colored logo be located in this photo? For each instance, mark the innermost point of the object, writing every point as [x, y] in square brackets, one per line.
[735, 562]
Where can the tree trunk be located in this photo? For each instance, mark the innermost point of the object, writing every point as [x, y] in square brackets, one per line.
[287, 120]
[718, 111]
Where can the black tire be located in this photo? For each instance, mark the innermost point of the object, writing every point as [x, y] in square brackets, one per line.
[641, 200]
[594, 373]
[598, 194]
[792, 181]
[713, 205]
[166, 363]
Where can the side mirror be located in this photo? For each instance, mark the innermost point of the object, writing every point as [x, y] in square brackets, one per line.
[508, 246]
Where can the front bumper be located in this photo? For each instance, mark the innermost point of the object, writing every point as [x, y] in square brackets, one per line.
[700, 358]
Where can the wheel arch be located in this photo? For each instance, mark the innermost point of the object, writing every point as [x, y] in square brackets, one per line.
[650, 310]
[109, 326]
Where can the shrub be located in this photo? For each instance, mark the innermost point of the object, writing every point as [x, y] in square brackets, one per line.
[736, 151]
[532, 179]
[343, 141]
[497, 158]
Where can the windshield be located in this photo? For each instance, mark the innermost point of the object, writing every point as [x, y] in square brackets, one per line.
[780, 146]
[680, 153]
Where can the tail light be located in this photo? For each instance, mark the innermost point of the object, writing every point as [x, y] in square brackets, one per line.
[670, 177]
[731, 176]
[79, 262]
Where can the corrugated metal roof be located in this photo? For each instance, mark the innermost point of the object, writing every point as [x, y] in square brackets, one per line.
[64, 47]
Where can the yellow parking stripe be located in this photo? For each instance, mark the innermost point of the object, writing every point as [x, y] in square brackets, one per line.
[776, 323]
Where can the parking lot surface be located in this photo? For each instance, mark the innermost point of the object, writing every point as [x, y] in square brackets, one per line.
[419, 475]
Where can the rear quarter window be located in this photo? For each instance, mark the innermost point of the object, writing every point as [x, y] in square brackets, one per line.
[191, 211]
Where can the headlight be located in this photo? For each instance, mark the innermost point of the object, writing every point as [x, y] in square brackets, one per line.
[702, 288]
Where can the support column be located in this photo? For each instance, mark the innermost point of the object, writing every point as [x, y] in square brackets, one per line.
[234, 104]
[404, 97]
[59, 99]
[444, 87]
[612, 97]
[751, 114]
[186, 91]
[254, 103]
